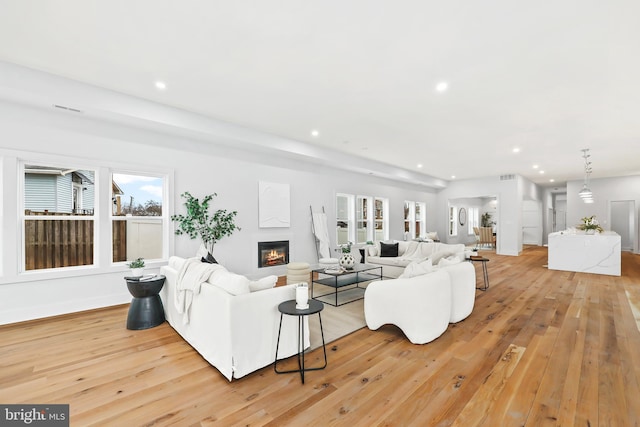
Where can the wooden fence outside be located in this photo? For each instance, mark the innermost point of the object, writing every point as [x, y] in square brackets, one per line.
[52, 243]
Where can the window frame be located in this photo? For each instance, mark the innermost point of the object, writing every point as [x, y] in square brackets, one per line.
[421, 218]
[23, 217]
[15, 271]
[472, 219]
[365, 205]
[349, 219]
[384, 220]
[164, 219]
[411, 220]
[453, 221]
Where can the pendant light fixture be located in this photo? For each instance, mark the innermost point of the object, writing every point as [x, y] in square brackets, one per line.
[585, 193]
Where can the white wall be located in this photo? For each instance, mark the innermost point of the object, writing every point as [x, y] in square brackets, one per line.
[200, 167]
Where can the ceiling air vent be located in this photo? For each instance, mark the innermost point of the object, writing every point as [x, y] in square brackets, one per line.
[509, 177]
[63, 107]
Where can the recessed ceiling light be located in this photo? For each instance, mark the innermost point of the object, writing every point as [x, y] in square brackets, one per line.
[442, 86]
[161, 85]
[541, 172]
[419, 165]
[453, 177]
[516, 150]
[552, 180]
[315, 133]
[536, 166]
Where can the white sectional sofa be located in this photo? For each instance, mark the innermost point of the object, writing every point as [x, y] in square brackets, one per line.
[393, 266]
[230, 320]
[422, 305]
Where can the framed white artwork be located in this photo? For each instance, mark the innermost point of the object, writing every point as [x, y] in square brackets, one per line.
[274, 205]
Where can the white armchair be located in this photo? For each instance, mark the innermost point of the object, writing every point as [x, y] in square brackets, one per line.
[420, 306]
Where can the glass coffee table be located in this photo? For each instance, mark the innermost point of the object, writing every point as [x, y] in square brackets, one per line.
[347, 281]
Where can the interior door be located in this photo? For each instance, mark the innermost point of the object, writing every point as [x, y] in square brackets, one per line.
[622, 222]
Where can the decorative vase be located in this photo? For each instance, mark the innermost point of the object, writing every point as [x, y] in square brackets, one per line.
[590, 231]
[347, 261]
[137, 272]
[302, 296]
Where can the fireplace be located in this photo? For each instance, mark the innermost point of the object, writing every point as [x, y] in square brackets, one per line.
[274, 253]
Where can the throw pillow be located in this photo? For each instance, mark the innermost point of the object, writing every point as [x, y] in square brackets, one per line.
[450, 260]
[262, 284]
[373, 251]
[437, 256]
[433, 235]
[209, 259]
[416, 269]
[235, 284]
[388, 250]
[204, 255]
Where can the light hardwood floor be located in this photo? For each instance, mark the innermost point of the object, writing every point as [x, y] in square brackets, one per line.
[540, 348]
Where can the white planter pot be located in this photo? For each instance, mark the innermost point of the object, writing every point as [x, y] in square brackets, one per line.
[137, 272]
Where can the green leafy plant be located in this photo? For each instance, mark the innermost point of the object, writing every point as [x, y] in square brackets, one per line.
[199, 223]
[485, 220]
[346, 248]
[136, 263]
[590, 223]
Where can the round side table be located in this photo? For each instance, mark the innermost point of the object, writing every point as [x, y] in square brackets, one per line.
[146, 309]
[289, 308]
[485, 274]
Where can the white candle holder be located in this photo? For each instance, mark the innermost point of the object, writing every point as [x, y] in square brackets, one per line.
[302, 296]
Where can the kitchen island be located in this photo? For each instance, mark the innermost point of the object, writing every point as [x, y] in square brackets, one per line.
[597, 253]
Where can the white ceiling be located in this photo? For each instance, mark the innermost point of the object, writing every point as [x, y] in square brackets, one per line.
[549, 77]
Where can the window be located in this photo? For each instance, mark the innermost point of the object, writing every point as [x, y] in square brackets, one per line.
[57, 216]
[453, 223]
[344, 218]
[137, 217]
[415, 219]
[421, 219]
[363, 204]
[62, 215]
[474, 214]
[369, 214]
[380, 217]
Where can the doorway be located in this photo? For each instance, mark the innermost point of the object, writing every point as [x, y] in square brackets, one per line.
[623, 222]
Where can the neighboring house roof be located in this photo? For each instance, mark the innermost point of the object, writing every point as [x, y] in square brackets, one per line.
[47, 170]
[115, 188]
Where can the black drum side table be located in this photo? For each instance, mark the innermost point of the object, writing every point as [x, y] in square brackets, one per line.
[289, 308]
[146, 309]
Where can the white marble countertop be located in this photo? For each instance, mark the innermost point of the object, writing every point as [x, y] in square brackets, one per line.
[597, 253]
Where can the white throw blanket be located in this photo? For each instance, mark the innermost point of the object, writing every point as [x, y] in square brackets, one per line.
[322, 234]
[190, 278]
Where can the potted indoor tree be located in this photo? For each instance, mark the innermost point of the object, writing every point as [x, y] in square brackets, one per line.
[198, 222]
[485, 220]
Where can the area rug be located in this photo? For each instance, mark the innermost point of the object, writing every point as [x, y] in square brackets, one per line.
[336, 322]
